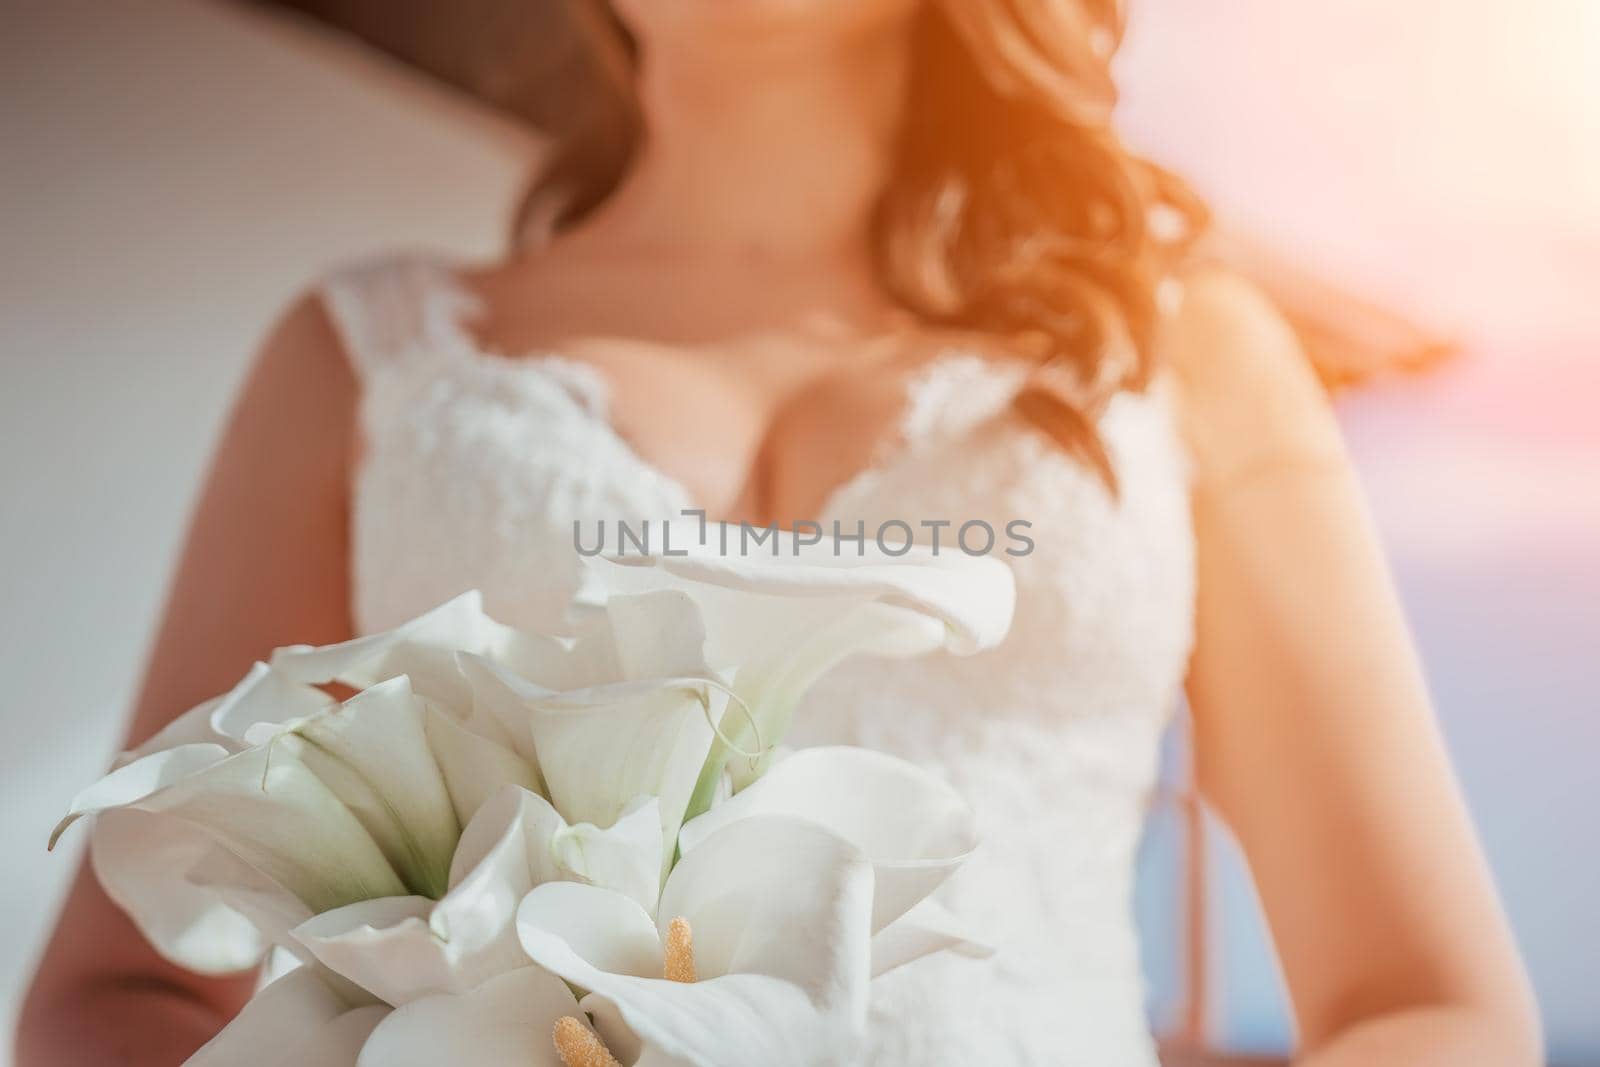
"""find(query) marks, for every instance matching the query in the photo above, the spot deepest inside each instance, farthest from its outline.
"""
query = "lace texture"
(475, 468)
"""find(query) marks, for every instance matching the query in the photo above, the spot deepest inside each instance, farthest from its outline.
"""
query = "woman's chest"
(500, 476)
(762, 429)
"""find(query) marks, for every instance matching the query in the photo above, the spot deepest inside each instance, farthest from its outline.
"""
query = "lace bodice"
(475, 467)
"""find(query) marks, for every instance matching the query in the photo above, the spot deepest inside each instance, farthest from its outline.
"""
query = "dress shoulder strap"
(397, 308)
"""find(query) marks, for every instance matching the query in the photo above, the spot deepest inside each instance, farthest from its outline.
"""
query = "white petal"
(425, 649)
(136, 781)
(622, 1042)
(298, 1019)
(911, 824)
(773, 681)
(519, 831)
(405, 948)
(499, 696)
(338, 1043)
(925, 929)
(626, 856)
(732, 1021)
(779, 896)
(265, 696)
(269, 908)
(421, 648)
(606, 929)
(474, 767)
(782, 904)
(786, 615)
(506, 1022)
(410, 947)
(503, 853)
(269, 810)
(972, 596)
(653, 635)
(384, 946)
(467, 937)
(601, 748)
(139, 858)
(372, 751)
(510, 832)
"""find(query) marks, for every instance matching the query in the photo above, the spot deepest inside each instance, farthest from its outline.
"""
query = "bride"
(871, 260)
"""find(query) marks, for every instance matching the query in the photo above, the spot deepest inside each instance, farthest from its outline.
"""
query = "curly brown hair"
(1013, 208)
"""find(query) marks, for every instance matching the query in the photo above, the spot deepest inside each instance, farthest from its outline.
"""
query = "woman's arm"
(265, 564)
(1314, 736)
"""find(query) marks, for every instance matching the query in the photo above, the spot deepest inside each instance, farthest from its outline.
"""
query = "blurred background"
(173, 171)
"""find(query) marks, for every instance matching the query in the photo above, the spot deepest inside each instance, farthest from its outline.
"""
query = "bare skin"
(726, 293)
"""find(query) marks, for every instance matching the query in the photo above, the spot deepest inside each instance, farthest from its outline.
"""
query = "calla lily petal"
(607, 929)
(266, 808)
(972, 595)
(384, 946)
(927, 928)
(474, 766)
(778, 896)
(405, 948)
(136, 855)
(136, 781)
(506, 1022)
(265, 696)
(627, 856)
(729, 1021)
(428, 639)
(911, 824)
(772, 684)
(372, 751)
(783, 617)
(298, 1020)
(659, 634)
(270, 909)
(602, 747)
(518, 831)
(779, 910)
(269, 810)
(425, 650)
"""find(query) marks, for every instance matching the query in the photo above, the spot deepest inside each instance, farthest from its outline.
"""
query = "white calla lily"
(266, 807)
(758, 951)
(328, 804)
(404, 948)
(372, 752)
(490, 797)
(913, 826)
(776, 619)
(606, 745)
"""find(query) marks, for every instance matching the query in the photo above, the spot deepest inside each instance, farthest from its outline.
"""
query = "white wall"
(172, 172)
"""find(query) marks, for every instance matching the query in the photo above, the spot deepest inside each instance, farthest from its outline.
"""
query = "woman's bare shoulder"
(301, 368)
(1247, 393)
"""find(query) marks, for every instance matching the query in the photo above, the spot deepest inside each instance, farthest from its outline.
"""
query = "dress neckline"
(591, 400)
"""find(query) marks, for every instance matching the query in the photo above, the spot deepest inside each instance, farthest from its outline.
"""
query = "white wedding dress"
(475, 467)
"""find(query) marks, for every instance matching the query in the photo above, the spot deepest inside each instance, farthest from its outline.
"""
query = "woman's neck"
(772, 150)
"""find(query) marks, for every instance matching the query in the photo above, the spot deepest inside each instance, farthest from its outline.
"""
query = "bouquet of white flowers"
(519, 849)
